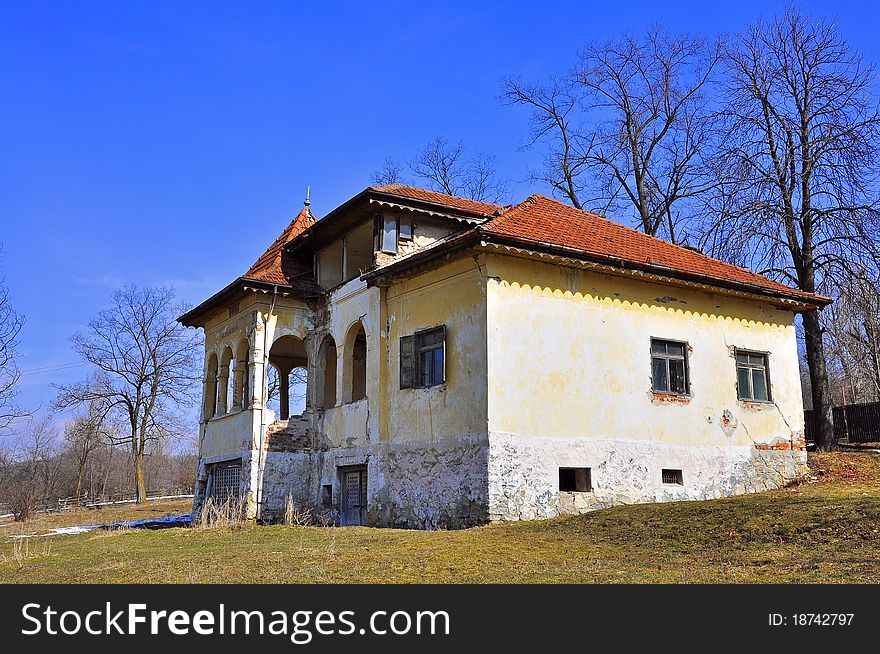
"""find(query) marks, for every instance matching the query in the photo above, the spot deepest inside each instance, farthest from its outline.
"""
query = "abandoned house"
(415, 359)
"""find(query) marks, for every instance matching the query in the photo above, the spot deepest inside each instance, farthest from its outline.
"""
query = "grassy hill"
(826, 531)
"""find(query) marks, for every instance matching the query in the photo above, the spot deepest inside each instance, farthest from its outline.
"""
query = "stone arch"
(290, 358)
(242, 395)
(327, 363)
(210, 393)
(224, 390)
(354, 372)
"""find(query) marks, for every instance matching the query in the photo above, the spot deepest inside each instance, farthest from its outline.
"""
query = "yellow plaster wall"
(349, 424)
(568, 356)
(452, 294)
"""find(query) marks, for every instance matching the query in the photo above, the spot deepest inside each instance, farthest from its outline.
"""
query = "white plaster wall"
(569, 377)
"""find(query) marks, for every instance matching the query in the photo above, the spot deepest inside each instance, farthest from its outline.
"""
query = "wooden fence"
(853, 423)
(51, 505)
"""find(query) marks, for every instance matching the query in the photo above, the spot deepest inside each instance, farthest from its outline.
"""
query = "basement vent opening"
(673, 477)
(575, 480)
(224, 481)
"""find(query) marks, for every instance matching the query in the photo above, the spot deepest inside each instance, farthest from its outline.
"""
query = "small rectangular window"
(389, 233)
(672, 477)
(423, 358)
(752, 376)
(669, 367)
(575, 480)
(430, 356)
(224, 482)
(406, 228)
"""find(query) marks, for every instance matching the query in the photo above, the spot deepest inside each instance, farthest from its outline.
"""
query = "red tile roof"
(545, 221)
(463, 204)
(268, 267)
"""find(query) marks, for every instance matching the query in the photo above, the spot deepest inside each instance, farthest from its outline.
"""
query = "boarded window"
(406, 228)
(225, 481)
(407, 362)
(423, 358)
(669, 367)
(389, 233)
(575, 480)
(752, 377)
(671, 476)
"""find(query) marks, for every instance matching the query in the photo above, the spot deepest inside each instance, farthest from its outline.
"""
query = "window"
(669, 369)
(389, 233)
(224, 482)
(423, 358)
(672, 477)
(575, 480)
(406, 228)
(752, 379)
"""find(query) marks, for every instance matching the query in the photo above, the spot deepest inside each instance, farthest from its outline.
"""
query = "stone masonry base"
(524, 473)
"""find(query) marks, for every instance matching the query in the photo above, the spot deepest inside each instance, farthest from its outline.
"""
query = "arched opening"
(289, 393)
(356, 363)
(224, 390)
(210, 394)
(242, 391)
(327, 399)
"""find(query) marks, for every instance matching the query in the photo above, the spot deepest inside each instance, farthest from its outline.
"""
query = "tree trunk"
(79, 478)
(821, 391)
(139, 477)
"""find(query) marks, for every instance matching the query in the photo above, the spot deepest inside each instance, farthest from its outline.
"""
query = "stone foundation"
(429, 486)
(468, 481)
(524, 473)
(415, 485)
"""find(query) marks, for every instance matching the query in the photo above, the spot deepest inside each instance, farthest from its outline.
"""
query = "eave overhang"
(195, 316)
(562, 255)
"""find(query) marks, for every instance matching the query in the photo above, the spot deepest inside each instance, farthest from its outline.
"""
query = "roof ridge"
(398, 188)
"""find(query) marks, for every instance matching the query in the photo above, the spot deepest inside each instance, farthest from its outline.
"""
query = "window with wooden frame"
(423, 358)
(405, 227)
(388, 232)
(669, 367)
(752, 376)
(575, 480)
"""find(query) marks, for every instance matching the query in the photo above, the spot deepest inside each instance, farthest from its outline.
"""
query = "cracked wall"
(569, 377)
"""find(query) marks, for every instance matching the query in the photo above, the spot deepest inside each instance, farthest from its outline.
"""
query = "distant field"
(828, 531)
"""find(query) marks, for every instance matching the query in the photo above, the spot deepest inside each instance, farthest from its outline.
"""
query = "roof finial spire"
(307, 202)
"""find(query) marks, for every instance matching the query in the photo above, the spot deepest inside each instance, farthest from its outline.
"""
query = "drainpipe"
(265, 385)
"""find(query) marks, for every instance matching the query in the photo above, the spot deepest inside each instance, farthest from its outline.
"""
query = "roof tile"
(544, 220)
(452, 201)
(268, 267)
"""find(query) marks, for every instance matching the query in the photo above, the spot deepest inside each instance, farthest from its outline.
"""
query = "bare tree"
(10, 326)
(83, 436)
(798, 162)
(628, 127)
(852, 332)
(443, 167)
(389, 173)
(35, 466)
(146, 369)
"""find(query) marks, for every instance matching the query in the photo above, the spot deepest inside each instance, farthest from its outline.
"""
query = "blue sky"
(169, 143)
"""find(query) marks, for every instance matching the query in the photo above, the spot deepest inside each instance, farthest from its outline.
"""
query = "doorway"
(354, 496)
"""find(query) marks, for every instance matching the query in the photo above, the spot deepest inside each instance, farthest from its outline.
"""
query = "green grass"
(827, 531)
